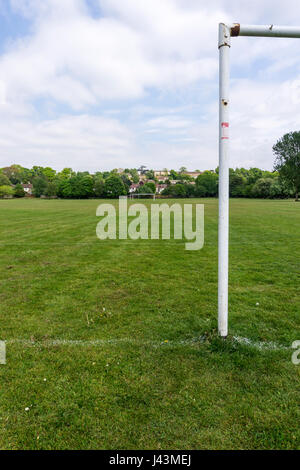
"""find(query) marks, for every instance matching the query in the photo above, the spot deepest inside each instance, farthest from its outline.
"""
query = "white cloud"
(83, 142)
(83, 64)
(81, 61)
(168, 123)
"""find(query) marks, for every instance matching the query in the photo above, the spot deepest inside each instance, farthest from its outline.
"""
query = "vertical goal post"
(226, 32)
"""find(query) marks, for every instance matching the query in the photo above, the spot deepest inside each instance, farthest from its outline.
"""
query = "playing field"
(113, 344)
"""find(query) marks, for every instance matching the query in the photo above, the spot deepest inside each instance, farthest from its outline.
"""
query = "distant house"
(133, 188)
(161, 174)
(160, 188)
(193, 174)
(162, 178)
(27, 188)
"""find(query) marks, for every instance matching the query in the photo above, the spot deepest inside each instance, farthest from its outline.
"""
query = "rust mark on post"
(235, 30)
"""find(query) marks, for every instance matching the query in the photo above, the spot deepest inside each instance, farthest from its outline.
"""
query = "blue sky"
(100, 84)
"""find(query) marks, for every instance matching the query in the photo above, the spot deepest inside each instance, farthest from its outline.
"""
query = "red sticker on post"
(225, 130)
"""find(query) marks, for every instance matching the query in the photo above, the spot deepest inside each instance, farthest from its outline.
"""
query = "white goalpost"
(226, 32)
(138, 195)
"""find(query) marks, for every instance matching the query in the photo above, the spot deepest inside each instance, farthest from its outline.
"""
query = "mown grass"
(161, 378)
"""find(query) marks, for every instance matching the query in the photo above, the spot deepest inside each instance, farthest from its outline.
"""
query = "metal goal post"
(226, 32)
(138, 195)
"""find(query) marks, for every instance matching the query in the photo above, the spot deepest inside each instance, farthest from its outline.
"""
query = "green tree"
(39, 186)
(262, 188)
(207, 184)
(190, 190)
(99, 186)
(19, 191)
(151, 186)
(114, 187)
(66, 173)
(147, 188)
(26, 175)
(4, 181)
(52, 189)
(287, 163)
(174, 175)
(13, 173)
(150, 174)
(49, 173)
(279, 190)
(176, 190)
(187, 178)
(81, 186)
(253, 175)
(126, 181)
(37, 171)
(135, 176)
(64, 188)
(6, 190)
(237, 183)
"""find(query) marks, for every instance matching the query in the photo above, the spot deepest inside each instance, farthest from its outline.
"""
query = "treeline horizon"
(68, 184)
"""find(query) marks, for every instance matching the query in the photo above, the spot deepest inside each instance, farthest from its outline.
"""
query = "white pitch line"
(104, 342)
(260, 345)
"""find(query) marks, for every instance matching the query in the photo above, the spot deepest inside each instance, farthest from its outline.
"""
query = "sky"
(102, 84)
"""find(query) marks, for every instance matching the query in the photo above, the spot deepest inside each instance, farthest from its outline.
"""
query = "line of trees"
(253, 183)
(283, 182)
(67, 184)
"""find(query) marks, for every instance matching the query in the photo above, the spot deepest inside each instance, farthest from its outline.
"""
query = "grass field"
(149, 371)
